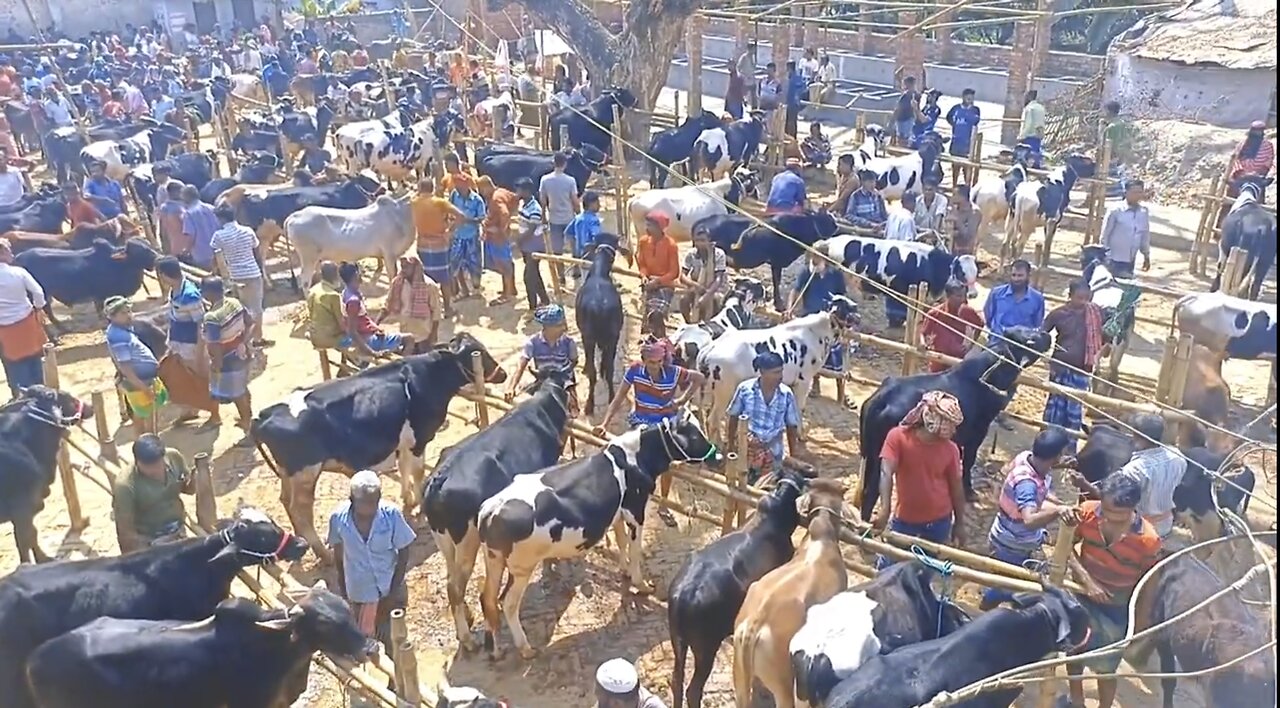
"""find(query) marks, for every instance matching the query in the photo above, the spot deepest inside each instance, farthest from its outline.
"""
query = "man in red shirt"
(950, 327)
(920, 457)
(79, 209)
(114, 109)
(363, 334)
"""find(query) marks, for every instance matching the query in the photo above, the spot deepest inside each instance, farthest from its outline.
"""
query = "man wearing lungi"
(227, 326)
(658, 260)
(363, 334)
(464, 251)
(433, 219)
(22, 336)
(772, 415)
(1077, 346)
(138, 371)
(186, 313)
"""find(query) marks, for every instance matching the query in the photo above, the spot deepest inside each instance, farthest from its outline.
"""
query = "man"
(413, 300)
(797, 89)
(137, 370)
(146, 501)
(846, 183)
(963, 118)
(242, 256)
(370, 539)
(135, 104)
(618, 686)
(13, 183)
(1024, 509)
(1157, 469)
(962, 222)
(314, 157)
(1126, 232)
(499, 254)
(824, 85)
(1255, 156)
(161, 173)
(113, 109)
(532, 239)
(866, 207)
(900, 219)
(464, 249)
(107, 193)
(704, 277)
(745, 67)
(226, 329)
(186, 314)
(816, 148)
(787, 191)
(1031, 129)
(951, 327)
(1015, 303)
(815, 285)
(769, 93)
(581, 233)
(1116, 547)
(168, 216)
(433, 220)
(56, 108)
(1119, 133)
(658, 260)
(1077, 346)
(362, 332)
(927, 118)
(772, 414)
(931, 207)
(558, 193)
(326, 323)
(906, 112)
(199, 223)
(809, 65)
(22, 336)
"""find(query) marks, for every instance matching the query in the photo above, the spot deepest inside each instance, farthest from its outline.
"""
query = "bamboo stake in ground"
(1166, 366)
(399, 636)
(77, 518)
(1208, 213)
(1181, 367)
(732, 472)
(206, 503)
(911, 330)
(620, 159)
(106, 442)
(744, 467)
(477, 383)
(1062, 549)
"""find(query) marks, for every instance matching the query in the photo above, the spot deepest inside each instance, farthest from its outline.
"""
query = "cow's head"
(1081, 165)
(843, 311)
(623, 97)
(706, 121)
(1255, 185)
(253, 538)
(685, 441)
(324, 621)
(165, 136)
(135, 253)
(750, 291)
(1023, 345)
(553, 379)
(756, 116)
(54, 407)
(1066, 617)
(784, 490)
(878, 134)
(1092, 253)
(964, 270)
(1021, 154)
(367, 185)
(745, 182)
(606, 247)
(466, 347)
(591, 156)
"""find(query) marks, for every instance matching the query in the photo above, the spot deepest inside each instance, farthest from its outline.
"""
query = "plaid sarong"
(1121, 319)
(1061, 410)
(464, 256)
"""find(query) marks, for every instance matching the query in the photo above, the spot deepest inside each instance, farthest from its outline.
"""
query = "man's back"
(324, 310)
(558, 189)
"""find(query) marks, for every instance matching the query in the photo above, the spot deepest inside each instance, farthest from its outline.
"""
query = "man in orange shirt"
(1116, 548)
(951, 326)
(452, 168)
(498, 256)
(433, 219)
(920, 457)
(79, 209)
(658, 259)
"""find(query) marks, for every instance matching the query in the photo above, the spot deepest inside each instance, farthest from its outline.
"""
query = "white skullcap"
(365, 482)
(617, 676)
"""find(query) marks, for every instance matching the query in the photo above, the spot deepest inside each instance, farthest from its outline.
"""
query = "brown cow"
(775, 606)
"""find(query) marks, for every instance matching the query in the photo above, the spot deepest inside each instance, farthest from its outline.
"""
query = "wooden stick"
(477, 383)
(399, 636)
(1180, 369)
(206, 503)
(620, 156)
(77, 518)
(987, 579)
(744, 467)
(106, 442)
(911, 330)
(730, 506)
(1166, 368)
(1062, 549)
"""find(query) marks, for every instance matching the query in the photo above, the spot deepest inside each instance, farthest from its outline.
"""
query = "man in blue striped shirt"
(532, 239)
(866, 208)
(199, 224)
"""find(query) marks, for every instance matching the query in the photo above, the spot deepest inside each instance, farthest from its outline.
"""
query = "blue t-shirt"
(106, 191)
(1004, 310)
(127, 350)
(797, 90)
(786, 192)
(472, 206)
(584, 229)
(964, 121)
(820, 288)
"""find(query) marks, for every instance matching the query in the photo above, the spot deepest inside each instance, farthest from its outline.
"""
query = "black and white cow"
(1243, 329)
(562, 511)
(1040, 203)
(803, 343)
(507, 164)
(898, 174)
(593, 123)
(288, 125)
(675, 145)
(388, 147)
(1251, 227)
(739, 305)
(65, 144)
(992, 194)
(124, 154)
(898, 265)
(687, 205)
(723, 148)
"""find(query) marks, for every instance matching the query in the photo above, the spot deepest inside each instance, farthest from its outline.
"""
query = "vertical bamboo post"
(407, 666)
(542, 140)
(1098, 204)
(860, 127)
(1166, 367)
(975, 154)
(1178, 373)
(911, 331)
(1062, 548)
(477, 383)
(564, 136)
(1200, 247)
(1037, 275)
(106, 442)
(732, 472)
(77, 518)
(621, 186)
(399, 637)
(744, 469)
(206, 503)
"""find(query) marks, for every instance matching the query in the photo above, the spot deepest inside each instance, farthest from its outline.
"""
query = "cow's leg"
(301, 507)
(631, 552)
(511, 608)
(775, 673)
(801, 388)
(28, 541)
(744, 640)
(704, 658)
(775, 272)
(609, 355)
(461, 565)
(589, 368)
(494, 566)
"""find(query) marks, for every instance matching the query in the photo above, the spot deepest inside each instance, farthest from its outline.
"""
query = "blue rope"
(944, 568)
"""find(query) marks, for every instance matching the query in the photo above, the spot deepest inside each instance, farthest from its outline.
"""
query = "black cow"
(359, 421)
(259, 168)
(749, 245)
(271, 209)
(996, 641)
(1251, 227)
(506, 164)
(722, 149)
(46, 191)
(31, 429)
(88, 274)
(598, 313)
(592, 124)
(44, 212)
(244, 655)
(178, 581)
(983, 382)
(263, 133)
(675, 145)
(707, 591)
(525, 440)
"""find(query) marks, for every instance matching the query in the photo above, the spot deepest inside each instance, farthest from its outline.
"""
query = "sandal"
(499, 302)
(667, 517)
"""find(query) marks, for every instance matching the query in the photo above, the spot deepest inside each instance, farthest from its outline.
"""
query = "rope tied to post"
(945, 568)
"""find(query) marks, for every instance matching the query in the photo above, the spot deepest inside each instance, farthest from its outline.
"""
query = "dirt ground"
(577, 615)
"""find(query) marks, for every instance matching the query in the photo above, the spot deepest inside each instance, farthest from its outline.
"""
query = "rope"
(943, 568)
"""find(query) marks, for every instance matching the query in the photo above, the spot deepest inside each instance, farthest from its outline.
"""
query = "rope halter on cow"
(263, 558)
(944, 568)
(669, 441)
(55, 417)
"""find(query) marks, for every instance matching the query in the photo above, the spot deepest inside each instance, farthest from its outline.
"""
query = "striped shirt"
(563, 354)
(1159, 470)
(1117, 565)
(199, 224)
(237, 244)
(655, 397)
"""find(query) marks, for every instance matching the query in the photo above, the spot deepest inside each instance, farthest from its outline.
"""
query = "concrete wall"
(79, 17)
(1151, 89)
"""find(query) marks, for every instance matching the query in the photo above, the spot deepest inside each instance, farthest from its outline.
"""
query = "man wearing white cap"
(618, 686)
(369, 538)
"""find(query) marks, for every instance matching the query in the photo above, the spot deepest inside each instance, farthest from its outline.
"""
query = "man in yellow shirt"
(324, 308)
(434, 218)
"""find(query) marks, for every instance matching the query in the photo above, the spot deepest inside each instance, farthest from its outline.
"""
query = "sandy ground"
(577, 615)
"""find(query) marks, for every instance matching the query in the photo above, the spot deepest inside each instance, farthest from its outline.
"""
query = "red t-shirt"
(923, 473)
(113, 110)
(353, 305)
(948, 330)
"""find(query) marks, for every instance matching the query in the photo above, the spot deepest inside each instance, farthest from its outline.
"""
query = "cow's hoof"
(643, 587)
(468, 644)
(495, 655)
(528, 653)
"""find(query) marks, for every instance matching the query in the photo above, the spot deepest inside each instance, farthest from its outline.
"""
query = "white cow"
(121, 156)
(990, 197)
(387, 148)
(803, 343)
(1037, 203)
(842, 630)
(384, 229)
(687, 205)
(1244, 329)
(248, 86)
(739, 305)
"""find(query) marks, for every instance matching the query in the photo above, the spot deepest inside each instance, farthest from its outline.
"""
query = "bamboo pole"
(1166, 367)
(621, 185)
(693, 42)
(206, 503)
(911, 330)
(1098, 205)
(732, 471)
(975, 576)
(1208, 214)
(1062, 549)
(72, 495)
(106, 442)
(744, 466)
(477, 379)
(399, 636)
(1181, 367)
(975, 156)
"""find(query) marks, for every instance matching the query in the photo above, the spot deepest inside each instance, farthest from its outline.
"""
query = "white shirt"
(827, 73)
(19, 293)
(901, 225)
(11, 187)
(59, 112)
(1160, 471)
(237, 243)
(809, 68)
(931, 216)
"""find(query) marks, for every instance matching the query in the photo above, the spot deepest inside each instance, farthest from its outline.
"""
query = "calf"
(708, 590)
(592, 124)
(983, 382)
(1240, 328)
(89, 274)
(1200, 496)
(739, 305)
(31, 429)
(562, 511)
(360, 421)
(996, 641)
(774, 607)
(122, 155)
(688, 205)
(184, 580)
(895, 609)
(1041, 203)
(675, 145)
(505, 165)
(723, 148)
(597, 309)
(900, 174)
(243, 655)
(383, 229)
(992, 194)
(898, 265)
(1250, 227)
(527, 439)
(803, 344)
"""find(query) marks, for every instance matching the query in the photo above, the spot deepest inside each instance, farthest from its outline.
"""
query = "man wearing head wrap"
(658, 260)
(1254, 156)
(414, 301)
(137, 370)
(501, 204)
(618, 686)
(370, 538)
(866, 208)
(146, 501)
(787, 191)
(550, 347)
(464, 251)
(920, 458)
(1126, 232)
(772, 414)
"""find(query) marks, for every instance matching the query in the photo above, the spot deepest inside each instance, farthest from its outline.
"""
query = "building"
(79, 17)
(1212, 61)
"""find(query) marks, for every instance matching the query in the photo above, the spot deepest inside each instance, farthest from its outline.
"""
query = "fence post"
(106, 442)
(1097, 206)
(399, 637)
(623, 189)
(911, 330)
(477, 382)
(1181, 366)
(744, 469)
(1166, 369)
(74, 514)
(206, 503)
(1062, 548)
(1207, 215)
(732, 472)
(975, 154)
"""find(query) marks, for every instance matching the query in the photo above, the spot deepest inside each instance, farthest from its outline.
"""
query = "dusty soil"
(577, 614)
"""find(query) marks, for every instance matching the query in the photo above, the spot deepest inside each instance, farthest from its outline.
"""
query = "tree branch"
(577, 23)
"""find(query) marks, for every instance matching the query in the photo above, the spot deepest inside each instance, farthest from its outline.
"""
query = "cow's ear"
(228, 551)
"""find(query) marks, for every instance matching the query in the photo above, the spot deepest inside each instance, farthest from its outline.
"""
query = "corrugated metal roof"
(1237, 34)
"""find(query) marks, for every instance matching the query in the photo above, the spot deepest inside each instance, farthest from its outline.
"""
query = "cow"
(992, 194)
(739, 305)
(592, 124)
(774, 607)
(184, 580)
(23, 127)
(89, 274)
(1207, 394)
(465, 697)
(283, 131)
(258, 168)
(123, 154)
(722, 148)
(360, 421)
(748, 245)
(675, 145)
(267, 210)
(242, 655)
(248, 86)
(507, 165)
(31, 431)
(999, 640)
(194, 168)
(598, 314)
(562, 511)
(1238, 328)
(65, 144)
(525, 440)
(395, 152)
(687, 205)
(1042, 203)
(1118, 302)
(983, 382)
(895, 609)
(46, 191)
(707, 591)
(44, 214)
(803, 343)
(384, 229)
(1250, 227)
(115, 231)
(898, 174)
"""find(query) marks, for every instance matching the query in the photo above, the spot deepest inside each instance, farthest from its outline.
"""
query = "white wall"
(1231, 98)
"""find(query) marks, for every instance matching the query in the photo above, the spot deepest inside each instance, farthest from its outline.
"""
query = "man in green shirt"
(1031, 131)
(1119, 132)
(147, 505)
(324, 307)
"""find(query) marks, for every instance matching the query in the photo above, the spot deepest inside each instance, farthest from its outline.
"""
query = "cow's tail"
(680, 648)
(1177, 307)
(255, 428)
